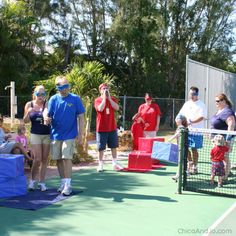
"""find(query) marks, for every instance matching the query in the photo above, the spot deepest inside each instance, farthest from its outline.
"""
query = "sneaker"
(61, 187)
(233, 167)
(175, 178)
(31, 185)
(67, 190)
(230, 174)
(42, 187)
(194, 171)
(212, 182)
(117, 166)
(220, 185)
(100, 167)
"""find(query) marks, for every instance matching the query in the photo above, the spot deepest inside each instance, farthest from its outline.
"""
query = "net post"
(182, 147)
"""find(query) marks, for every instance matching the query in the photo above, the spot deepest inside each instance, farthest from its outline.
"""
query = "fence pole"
(181, 159)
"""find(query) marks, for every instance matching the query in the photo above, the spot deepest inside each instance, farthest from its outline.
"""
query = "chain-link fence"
(128, 107)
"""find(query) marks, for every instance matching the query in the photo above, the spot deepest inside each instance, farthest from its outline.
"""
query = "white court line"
(220, 220)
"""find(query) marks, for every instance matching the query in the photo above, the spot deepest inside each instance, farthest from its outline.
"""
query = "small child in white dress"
(181, 123)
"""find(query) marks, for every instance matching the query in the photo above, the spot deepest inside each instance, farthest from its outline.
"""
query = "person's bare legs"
(67, 168)
(227, 166)
(195, 160)
(100, 161)
(220, 181)
(100, 155)
(44, 162)
(115, 164)
(212, 179)
(114, 153)
(60, 167)
(37, 152)
(22, 150)
(190, 162)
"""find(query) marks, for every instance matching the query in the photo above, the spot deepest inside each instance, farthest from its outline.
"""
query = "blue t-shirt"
(218, 120)
(64, 112)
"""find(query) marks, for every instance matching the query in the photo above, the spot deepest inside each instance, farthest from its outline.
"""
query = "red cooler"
(139, 160)
(145, 144)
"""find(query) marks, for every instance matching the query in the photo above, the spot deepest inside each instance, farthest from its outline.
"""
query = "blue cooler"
(11, 165)
(13, 182)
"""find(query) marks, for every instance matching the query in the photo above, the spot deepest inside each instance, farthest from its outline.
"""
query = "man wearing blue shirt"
(63, 110)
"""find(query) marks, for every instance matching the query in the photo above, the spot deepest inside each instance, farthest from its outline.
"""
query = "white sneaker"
(67, 190)
(61, 187)
(42, 187)
(31, 185)
(117, 166)
(100, 167)
(175, 178)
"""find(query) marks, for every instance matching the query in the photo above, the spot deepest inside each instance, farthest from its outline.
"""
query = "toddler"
(137, 129)
(22, 138)
(217, 158)
(181, 123)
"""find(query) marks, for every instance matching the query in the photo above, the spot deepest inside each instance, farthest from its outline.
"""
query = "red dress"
(137, 132)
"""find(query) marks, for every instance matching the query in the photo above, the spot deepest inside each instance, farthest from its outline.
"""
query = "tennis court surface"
(123, 203)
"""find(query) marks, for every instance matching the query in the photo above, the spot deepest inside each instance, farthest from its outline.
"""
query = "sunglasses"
(217, 101)
(193, 94)
(37, 94)
(62, 87)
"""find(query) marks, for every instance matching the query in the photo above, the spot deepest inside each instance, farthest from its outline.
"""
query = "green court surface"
(122, 204)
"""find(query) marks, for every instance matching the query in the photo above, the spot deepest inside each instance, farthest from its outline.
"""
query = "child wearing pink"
(137, 129)
(21, 137)
(217, 158)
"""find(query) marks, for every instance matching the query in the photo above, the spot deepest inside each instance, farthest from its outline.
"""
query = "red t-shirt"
(149, 113)
(105, 121)
(218, 153)
(137, 132)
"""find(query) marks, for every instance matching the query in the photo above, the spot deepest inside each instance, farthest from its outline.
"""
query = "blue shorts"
(195, 140)
(106, 138)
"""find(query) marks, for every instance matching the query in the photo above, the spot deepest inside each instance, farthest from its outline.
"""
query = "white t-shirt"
(192, 110)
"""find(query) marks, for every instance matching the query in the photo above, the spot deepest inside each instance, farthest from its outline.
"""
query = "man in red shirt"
(106, 130)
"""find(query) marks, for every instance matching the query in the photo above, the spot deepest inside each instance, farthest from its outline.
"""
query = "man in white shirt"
(195, 112)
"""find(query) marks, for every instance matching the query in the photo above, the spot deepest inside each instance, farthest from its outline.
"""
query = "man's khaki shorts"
(40, 139)
(62, 149)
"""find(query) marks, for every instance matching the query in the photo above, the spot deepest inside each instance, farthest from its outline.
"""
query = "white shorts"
(62, 149)
(39, 139)
(149, 134)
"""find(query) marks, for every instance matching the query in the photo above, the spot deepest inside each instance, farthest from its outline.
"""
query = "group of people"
(192, 114)
(58, 123)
